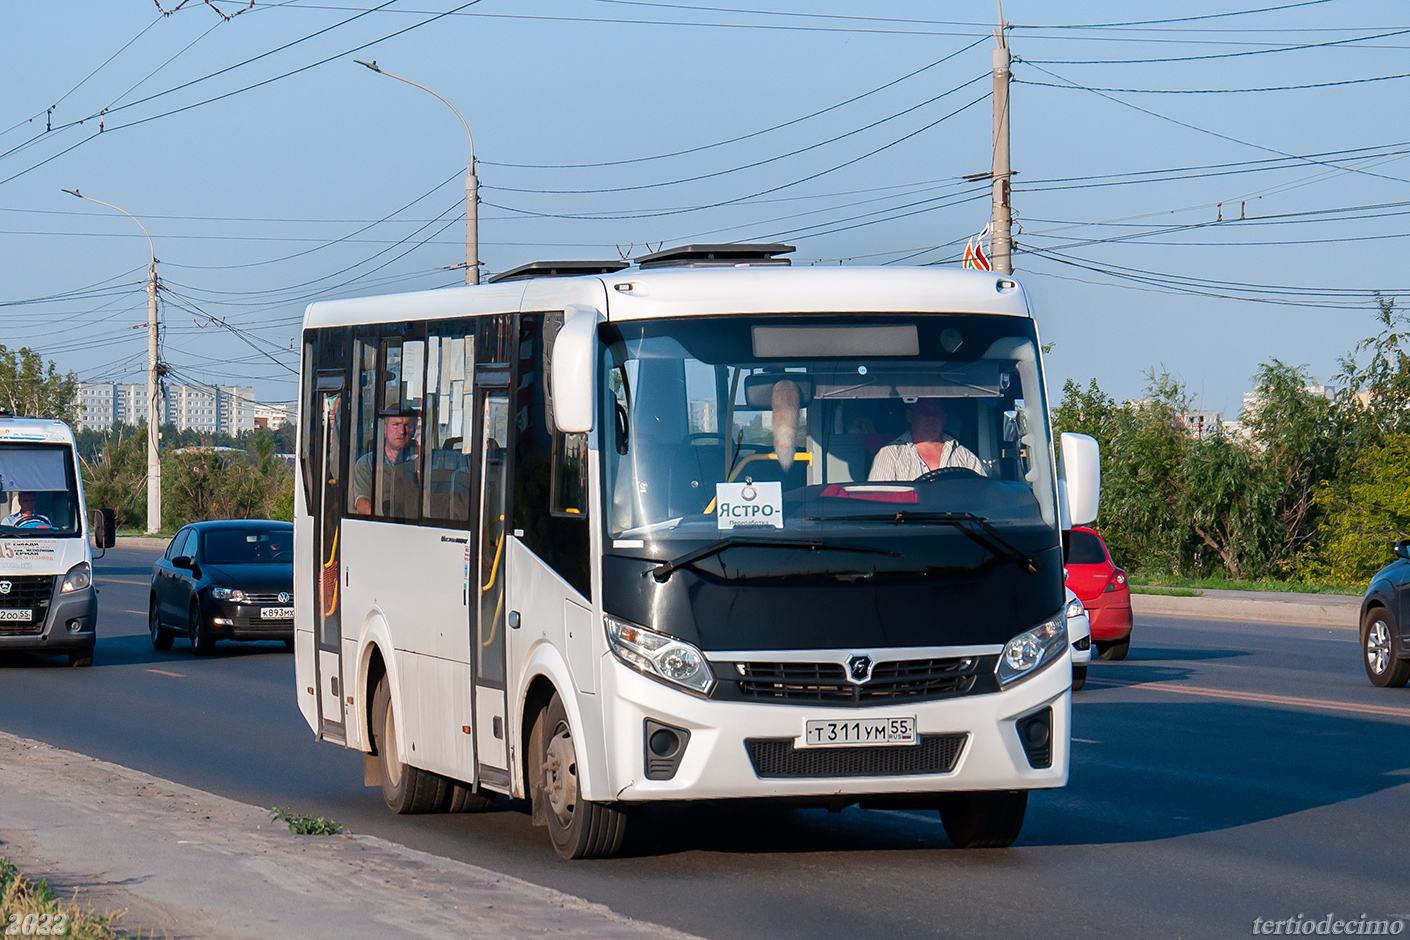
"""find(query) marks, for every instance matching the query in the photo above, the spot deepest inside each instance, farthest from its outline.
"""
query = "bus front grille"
(32, 592)
(827, 682)
(777, 757)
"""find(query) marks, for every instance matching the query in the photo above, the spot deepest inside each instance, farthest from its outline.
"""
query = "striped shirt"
(900, 460)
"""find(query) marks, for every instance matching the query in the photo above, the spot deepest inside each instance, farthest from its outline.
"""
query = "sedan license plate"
(860, 732)
(25, 614)
(276, 613)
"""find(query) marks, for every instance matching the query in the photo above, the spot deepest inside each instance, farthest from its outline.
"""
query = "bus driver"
(400, 496)
(923, 448)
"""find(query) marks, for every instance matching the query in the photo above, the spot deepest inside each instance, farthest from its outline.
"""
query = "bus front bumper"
(71, 624)
(723, 757)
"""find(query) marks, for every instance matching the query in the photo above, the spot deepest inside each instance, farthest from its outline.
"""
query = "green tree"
(30, 389)
(114, 466)
(1365, 517)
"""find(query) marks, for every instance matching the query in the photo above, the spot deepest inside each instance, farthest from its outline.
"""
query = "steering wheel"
(942, 473)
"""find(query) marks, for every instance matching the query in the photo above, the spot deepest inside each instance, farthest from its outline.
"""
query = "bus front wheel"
(983, 819)
(405, 789)
(579, 828)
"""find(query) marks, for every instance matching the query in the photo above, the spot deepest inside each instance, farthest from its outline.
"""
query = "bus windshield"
(37, 492)
(820, 425)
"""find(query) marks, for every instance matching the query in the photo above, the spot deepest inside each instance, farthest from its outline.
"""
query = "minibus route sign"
(749, 504)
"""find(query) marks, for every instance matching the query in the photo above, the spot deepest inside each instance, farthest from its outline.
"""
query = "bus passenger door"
(488, 580)
(327, 559)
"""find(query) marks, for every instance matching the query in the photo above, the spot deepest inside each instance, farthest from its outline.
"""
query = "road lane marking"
(1262, 698)
(1084, 741)
(103, 577)
(163, 672)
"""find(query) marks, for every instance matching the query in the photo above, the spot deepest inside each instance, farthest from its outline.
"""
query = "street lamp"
(154, 463)
(472, 185)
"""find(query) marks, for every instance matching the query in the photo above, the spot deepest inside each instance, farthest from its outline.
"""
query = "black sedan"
(1385, 617)
(232, 579)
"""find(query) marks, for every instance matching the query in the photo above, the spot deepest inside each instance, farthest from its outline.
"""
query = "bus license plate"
(276, 613)
(860, 732)
(25, 613)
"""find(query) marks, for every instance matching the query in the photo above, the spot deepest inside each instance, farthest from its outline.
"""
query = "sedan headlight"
(79, 577)
(1075, 608)
(659, 656)
(227, 594)
(1026, 653)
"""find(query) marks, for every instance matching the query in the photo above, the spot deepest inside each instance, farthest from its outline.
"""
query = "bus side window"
(364, 415)
(447, 426)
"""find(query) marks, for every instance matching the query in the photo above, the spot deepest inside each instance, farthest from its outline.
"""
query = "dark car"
(231, 580)
(1102, 588)
(1385, 613)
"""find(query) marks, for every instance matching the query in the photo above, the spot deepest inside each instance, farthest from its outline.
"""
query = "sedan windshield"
(248, 547)
(816, 426)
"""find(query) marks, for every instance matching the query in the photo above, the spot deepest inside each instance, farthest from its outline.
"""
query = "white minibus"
(704, 527)
(47, 601)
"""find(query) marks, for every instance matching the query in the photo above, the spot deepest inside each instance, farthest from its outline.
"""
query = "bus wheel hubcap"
(560, 772)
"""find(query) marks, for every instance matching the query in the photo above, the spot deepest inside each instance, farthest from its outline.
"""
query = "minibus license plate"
(26, 614)
(860, 732)
(277, 613)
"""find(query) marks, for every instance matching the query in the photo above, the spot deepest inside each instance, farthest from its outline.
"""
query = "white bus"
(707, 527)
(47, 601)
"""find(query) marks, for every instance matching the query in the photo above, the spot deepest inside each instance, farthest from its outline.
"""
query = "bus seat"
(695, 470)
(848, 458)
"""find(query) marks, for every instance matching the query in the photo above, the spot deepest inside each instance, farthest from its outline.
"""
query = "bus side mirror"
(1082, 474)
(571, 371)
(104, 529)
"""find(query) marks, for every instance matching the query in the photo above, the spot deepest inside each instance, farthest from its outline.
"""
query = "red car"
(1102, 587)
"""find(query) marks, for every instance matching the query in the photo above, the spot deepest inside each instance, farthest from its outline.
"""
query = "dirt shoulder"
(185, 863)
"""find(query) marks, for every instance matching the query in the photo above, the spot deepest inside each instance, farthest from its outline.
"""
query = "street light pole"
(472, 184)
(154, 462)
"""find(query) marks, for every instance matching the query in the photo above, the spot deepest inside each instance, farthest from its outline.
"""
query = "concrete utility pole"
(154, 461)
(472, 184)
(1001, 227)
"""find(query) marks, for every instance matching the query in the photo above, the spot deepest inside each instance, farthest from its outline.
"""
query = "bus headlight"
(1029, 651)
(78, 578)
(660, 656)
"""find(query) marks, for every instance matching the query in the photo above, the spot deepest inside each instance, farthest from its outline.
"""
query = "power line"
(746, 166)
(735, 140)
(740, 199)
(1224, 91)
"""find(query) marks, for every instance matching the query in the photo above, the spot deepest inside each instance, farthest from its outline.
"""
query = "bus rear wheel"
(983, 819)
(578, 828)
(405, 789)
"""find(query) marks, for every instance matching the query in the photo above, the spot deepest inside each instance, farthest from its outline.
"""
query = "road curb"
(1304, 610)
(141, 541)
(201, 865)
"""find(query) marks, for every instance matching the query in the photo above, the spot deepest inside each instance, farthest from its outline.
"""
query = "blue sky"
(605, 126)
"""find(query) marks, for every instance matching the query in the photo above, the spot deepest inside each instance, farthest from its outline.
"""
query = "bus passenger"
(401, 483)
(923, 448)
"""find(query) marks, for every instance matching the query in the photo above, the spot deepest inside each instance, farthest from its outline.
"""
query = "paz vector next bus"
(705, 527)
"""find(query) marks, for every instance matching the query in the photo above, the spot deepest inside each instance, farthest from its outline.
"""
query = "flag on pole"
(974, 256)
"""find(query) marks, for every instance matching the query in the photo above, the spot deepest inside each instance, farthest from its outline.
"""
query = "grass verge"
(1145, 580)
(1165, 591)
(302, 825)
(29, 909)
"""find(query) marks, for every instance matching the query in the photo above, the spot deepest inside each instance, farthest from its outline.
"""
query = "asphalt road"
(1223, 772)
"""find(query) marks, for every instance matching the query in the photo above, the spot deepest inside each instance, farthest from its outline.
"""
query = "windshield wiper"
(663, 571)
(977, 528)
